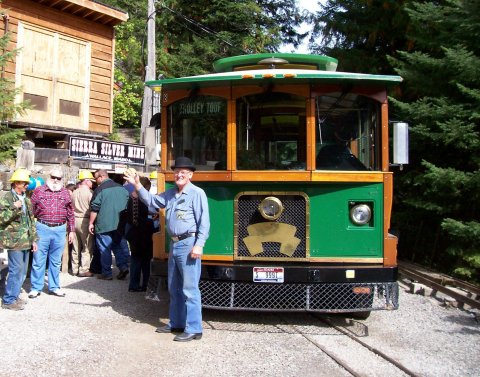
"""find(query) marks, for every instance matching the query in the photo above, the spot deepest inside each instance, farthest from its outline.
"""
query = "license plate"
(268, 274)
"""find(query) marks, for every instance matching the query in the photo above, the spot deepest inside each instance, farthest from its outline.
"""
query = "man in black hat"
(188, 225)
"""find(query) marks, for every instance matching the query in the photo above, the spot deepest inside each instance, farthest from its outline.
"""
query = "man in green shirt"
(107, 207)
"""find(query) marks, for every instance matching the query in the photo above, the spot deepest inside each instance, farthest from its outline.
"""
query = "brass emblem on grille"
(271, 232)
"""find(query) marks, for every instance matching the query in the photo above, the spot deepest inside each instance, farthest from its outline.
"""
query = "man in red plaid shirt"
(52, 206)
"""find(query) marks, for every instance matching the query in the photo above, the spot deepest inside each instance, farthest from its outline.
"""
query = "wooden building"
(64, 67)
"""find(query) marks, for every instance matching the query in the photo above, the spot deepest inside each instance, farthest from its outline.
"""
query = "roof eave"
(88, 9)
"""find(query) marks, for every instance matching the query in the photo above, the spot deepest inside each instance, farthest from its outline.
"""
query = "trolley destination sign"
(106, 151)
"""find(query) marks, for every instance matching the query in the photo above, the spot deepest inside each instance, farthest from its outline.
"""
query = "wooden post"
(150, 70)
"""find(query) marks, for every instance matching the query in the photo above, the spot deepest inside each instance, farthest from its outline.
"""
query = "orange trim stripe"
(222, 258)
(346, 176)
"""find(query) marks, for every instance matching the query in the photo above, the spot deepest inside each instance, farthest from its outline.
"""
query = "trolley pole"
(149, 71)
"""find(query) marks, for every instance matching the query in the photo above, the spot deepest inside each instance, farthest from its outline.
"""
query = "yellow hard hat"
(20, 175)
(153, 175)
(85, 174)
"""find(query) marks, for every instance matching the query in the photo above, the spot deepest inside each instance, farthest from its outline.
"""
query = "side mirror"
(400, 143)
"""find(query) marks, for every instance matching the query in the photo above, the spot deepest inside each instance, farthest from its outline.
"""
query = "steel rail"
(430, 282)
(442, 278)
(339, 361)
(367, 346)
(331, 355)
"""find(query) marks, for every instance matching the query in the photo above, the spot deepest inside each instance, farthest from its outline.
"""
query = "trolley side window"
(347, 132)
(271, 133)
(197, 129)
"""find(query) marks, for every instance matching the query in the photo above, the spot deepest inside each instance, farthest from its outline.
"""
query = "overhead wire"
(199, 26)
(188, 20)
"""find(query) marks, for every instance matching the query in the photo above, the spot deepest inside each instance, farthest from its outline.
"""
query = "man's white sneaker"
(33, 294)
(57, 292)
(23, 295)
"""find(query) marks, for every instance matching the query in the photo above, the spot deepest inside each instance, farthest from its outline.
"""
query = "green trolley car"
(294, 159)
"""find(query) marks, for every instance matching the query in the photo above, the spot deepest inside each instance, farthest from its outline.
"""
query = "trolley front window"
(347, 132)
(271, 132)
(197, 129)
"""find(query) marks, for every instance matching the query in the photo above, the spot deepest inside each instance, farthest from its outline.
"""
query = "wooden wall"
(100, 37)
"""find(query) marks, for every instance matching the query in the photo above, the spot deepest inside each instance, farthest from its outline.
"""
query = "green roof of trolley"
(278, 74)
(323, 63)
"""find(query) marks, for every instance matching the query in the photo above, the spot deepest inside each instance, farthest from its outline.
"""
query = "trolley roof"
(275, 68)
(285, 60)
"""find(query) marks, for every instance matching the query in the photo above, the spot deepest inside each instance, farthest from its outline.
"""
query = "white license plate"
(268, 274)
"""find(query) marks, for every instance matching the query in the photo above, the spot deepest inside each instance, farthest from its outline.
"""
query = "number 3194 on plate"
(268, 274)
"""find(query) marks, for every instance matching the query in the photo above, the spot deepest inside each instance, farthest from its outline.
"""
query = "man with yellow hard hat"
(18, 235)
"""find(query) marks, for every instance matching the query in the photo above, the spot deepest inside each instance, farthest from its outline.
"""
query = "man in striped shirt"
(52, 206)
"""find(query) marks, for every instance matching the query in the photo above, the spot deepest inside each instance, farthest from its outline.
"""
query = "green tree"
(360, 33)
(127, 101)
(189, 37)
(194, 34)
(129, 65)
(433, 46)
(9, 138)
(441, 187)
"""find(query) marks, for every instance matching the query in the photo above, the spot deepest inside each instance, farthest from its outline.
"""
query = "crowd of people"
(98, 221)
(94, 221)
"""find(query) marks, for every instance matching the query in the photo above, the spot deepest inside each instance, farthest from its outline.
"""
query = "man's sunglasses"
(56, 178)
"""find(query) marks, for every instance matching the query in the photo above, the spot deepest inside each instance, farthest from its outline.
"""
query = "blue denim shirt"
(185, 212)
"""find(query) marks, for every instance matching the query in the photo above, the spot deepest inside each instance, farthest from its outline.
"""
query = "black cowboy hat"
(183, 162)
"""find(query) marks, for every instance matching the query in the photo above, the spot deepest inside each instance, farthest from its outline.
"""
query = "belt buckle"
(175, 239)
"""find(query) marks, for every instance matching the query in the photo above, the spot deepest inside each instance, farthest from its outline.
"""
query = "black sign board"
(106, 151)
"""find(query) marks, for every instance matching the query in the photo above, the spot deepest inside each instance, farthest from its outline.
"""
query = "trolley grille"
(324, 297)
(295, 214)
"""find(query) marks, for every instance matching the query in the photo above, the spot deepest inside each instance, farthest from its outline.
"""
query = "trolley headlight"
(271, 208)
(360, 214)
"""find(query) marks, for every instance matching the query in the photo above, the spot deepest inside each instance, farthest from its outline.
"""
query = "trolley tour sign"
(106, 151)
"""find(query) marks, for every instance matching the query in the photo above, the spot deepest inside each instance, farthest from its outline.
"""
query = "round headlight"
(361, 214)
(271, 208)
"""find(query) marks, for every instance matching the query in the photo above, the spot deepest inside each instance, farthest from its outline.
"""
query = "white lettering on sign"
(193, 108)
(103, 150)
(135, 152)
(114, 150)
(213, 107)
(86, 146)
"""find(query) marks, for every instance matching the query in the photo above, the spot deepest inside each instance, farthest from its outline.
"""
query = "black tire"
(360, 315)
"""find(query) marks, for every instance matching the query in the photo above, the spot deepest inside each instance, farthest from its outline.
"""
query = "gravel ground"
(101, 329)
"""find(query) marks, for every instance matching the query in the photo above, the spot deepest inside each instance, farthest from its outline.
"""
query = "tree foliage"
(194, 34)
(433, 45)
(128, 91)
(360, 33)
(9, 138)
(189, 37)
(442, 104)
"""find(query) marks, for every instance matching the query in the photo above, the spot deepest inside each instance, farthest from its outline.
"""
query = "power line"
(201, 27)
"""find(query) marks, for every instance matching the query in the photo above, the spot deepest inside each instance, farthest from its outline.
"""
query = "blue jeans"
(17, 272)
(96, 263)
(108, 242)
(51, 243)
(183, 278)
(139, 267)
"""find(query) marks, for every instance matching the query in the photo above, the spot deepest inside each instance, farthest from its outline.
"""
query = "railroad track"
(470, 293)
(438, 282)
(341, 361)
